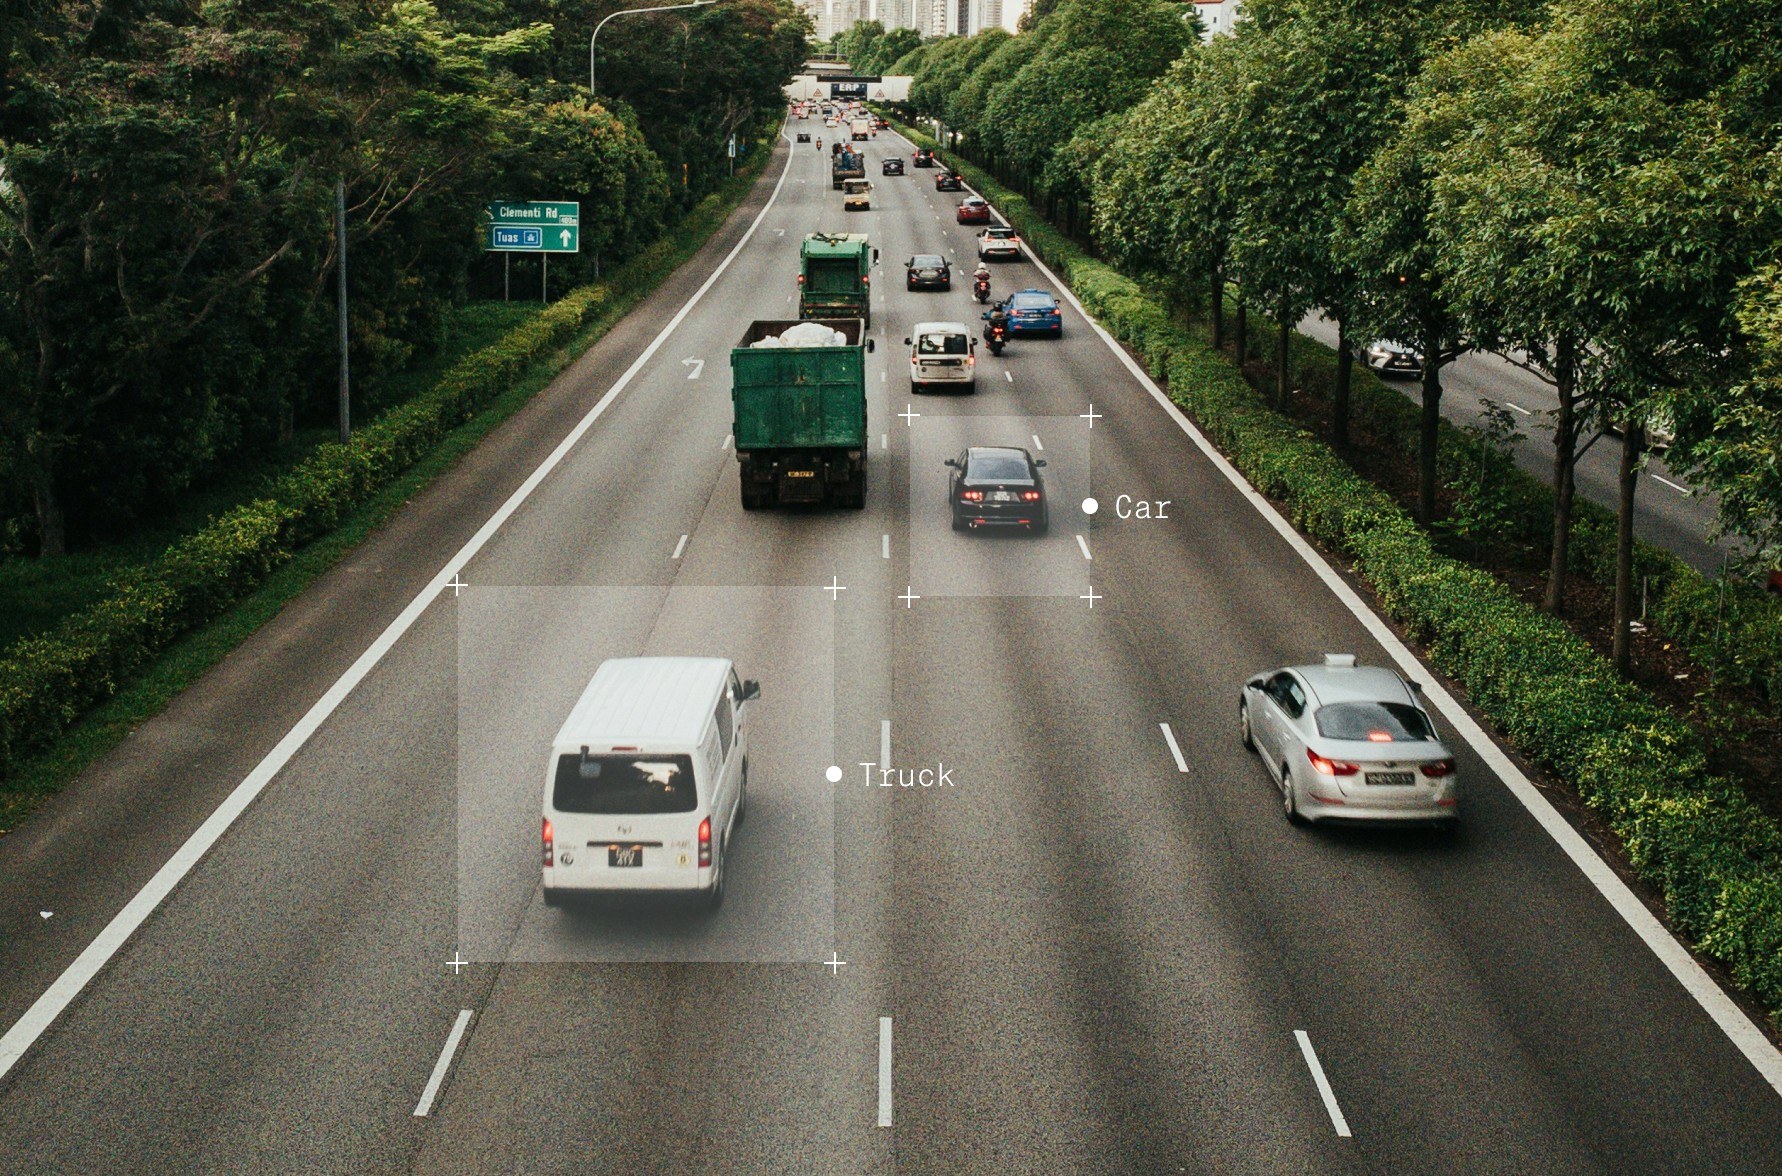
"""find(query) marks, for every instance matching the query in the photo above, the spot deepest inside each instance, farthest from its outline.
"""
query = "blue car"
(1034, 312)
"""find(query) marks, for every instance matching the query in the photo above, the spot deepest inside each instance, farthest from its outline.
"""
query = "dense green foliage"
(166, 234)
(1712, 854)
(48, 681)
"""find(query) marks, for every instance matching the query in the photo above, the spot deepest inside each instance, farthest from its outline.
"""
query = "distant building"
(1219, 16)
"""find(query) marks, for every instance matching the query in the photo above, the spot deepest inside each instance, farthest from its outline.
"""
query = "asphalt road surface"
(1096, 947)
(1668, 512)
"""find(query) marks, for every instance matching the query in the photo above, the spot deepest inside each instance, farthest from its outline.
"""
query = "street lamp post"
(629, 12)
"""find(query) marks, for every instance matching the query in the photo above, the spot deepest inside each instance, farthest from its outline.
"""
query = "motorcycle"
(980, 289)
(996, 335)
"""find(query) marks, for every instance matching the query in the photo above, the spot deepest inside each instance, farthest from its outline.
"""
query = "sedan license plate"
(1004, 496)
(624, 856)
(1391, 779)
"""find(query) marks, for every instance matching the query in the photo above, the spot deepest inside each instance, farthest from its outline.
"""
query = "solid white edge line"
(1518, 408)
(43, 1012)
(884, 1071)
(1084, 544)
(1731, 1020)
(884, 440)
(1324, 1091)
(884, 743)
(425, 1106)
(679, 547)
(1175, 750)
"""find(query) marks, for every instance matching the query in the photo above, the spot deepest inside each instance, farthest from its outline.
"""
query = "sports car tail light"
(1439, 768)
(1030, 496)
(705, 843)
(1330, 767)
(972, 495)
(550, 843)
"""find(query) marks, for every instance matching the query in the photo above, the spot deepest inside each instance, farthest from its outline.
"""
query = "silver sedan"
(1348, 743)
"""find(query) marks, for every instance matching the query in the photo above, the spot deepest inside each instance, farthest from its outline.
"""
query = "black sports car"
(998, 486)
(894, 167)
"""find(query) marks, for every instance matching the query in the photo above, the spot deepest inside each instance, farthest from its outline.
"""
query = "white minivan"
(647, 779)
(943, 354)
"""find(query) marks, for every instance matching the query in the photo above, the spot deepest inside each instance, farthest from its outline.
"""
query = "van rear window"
(624, 784)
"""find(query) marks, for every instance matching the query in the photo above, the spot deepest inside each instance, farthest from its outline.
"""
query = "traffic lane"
(282, 1010)
(1096, 1000)
(659, 1067)
(1669, 514)
(194, 753)
(1419, 956)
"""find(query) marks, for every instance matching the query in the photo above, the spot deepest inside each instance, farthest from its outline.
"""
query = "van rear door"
(624, 820)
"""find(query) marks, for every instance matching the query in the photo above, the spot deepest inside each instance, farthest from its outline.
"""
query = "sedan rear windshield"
(1033, 302)
(998, 468)
(624, 784)
(928, 261)
(1373, 722)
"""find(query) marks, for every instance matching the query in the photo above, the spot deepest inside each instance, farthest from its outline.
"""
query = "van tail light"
(1330, 767)
(550, 843)
(1439, 768)
(971, 361)
(705, 844)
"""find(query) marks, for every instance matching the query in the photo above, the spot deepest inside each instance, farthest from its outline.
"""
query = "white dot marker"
(833, 774)
(1090, 506)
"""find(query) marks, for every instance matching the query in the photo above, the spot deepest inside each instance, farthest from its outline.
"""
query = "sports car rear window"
(624, 784)
(1373, 722)
(997, 468)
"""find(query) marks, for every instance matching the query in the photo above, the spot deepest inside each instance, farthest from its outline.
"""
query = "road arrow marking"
(698, 366)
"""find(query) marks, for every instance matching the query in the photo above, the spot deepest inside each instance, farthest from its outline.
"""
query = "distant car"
(999, 242)
(949, 181)
(929, 271)
(923, 157)
(881, 124)
(974, 210)
(804, 136)
(893, 167)
(1348, 743)
(998, 486)
(1034, 312)
(1391, 358)
(942, 353)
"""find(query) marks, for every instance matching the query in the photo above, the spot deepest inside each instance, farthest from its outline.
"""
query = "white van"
(647, 779)
(943, 353)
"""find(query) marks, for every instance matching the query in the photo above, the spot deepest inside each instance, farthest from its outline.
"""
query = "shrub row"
(49, 680)
(1715, 857)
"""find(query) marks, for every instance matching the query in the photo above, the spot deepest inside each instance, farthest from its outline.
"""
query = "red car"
(974, 210)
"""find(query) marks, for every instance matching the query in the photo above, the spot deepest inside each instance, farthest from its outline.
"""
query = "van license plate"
(624, 855)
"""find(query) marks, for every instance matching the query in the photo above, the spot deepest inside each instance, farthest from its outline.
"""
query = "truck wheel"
(750, 500)
(857, 491)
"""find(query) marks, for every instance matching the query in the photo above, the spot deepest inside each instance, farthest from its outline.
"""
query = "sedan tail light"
(1030, 496)
(1439, 768)
(550, 843)
(705, 843)
(1330, 767)
(972, 495)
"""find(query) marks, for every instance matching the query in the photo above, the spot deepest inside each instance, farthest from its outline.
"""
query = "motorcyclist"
(819, 142)
(997, 318)
(980, 278)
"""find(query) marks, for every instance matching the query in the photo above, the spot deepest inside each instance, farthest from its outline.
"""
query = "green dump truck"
(834, 276)
(800, 412)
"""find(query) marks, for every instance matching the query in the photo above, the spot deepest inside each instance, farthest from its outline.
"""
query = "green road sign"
(533, 226)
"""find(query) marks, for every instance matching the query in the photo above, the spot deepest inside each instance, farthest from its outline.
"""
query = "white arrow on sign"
(698, 366)
(566, 238)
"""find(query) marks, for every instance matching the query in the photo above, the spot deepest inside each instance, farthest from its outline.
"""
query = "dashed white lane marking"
(1324, 1091)
(1009, 376)
(885, 546)
(1517, 407)
(1673, 485)
(884, 1071)
(728, 438)
(884, 440)
(679, 547)
(77, 975)
(455, 1039)
(1036, 442)
(1175, 749)
(884, 743)
(1084, 544)
(881, 377)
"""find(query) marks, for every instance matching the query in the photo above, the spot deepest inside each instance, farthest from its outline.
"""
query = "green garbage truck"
(798, 388)
(835, 276)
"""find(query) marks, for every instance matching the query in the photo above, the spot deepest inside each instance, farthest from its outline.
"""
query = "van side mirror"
(951, 462)
(1416, 687)
(1039, 462)
(906, 340)
(751, 688)
(869, 344)
(875, 257)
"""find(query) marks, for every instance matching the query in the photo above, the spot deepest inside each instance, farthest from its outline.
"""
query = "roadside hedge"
(49, 680)
(1713, 855)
